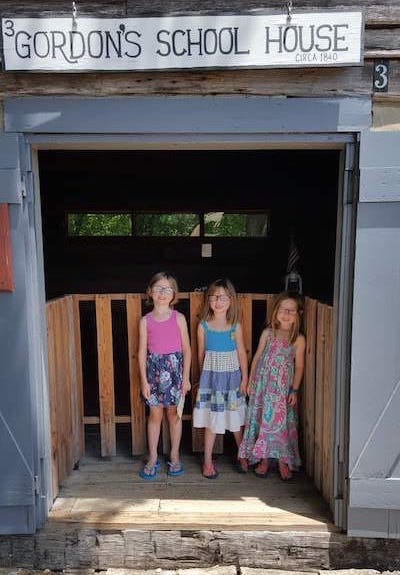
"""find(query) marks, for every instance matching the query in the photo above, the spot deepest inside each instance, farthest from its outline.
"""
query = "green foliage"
(225, 225)
(99, 225)
(235, 225)
(166, 224)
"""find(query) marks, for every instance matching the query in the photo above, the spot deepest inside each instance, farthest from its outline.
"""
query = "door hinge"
(340, 476)
(36, 485)
(351, 174)
(27, 186)
(350, 158)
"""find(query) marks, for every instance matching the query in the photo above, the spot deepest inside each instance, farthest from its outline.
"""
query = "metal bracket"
(289, 9)
(74, 15)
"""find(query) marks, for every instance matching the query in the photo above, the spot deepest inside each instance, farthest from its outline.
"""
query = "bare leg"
(238, 437)
(244, 465)
(284, 471)
(153, 432)
(209, 440)
(175, 432)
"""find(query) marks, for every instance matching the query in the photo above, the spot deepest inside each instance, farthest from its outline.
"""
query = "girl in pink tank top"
(164, 363)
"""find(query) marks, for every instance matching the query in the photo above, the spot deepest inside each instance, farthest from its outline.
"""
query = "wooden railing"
(67, 385)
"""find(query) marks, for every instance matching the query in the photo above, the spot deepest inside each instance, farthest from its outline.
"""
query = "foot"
(149, 472)
(153, 462)
(209, 471)
(242, 465)
(284, 471)
(175, 469)
(262, 468)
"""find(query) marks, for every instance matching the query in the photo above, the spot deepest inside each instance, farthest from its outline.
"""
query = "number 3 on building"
(381, 76)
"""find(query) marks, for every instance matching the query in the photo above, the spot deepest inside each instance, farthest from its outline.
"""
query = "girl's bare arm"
(200, 346)
(186, 351)
(142, 357)
(300, 346)
(260, 348)
(242, 354)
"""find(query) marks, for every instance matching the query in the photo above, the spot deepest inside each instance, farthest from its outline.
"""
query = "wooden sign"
(6, 276)
(183, 42)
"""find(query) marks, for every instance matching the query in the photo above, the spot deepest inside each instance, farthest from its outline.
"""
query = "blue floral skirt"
(164, 374)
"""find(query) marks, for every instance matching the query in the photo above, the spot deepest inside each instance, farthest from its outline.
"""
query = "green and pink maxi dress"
(271, 424)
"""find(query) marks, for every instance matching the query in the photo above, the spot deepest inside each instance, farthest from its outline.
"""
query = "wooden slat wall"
(65, 388)
(80, 428)
(318, 396)
(138, 420)
(65, 376)
(106, 375)
(310, 317)
(61, 389)
(196, 305)
(246, 306)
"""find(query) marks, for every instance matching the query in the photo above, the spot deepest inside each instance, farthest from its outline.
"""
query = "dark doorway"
(294, 191)
(296, 188)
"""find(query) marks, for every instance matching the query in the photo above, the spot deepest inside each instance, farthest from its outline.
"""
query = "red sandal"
(209, 471)
(284, 471)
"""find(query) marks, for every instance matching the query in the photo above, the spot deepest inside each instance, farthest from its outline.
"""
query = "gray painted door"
(348, 196)
(374, 454)
(21, 502)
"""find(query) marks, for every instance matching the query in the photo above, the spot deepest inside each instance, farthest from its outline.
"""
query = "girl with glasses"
(164, 364)
(275, 377)
(220, 403)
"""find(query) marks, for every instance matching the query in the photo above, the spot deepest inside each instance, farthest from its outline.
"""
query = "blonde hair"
(172, 282)
(232, 314)
(296, 327)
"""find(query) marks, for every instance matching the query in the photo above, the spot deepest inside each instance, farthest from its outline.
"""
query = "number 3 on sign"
(381, 76)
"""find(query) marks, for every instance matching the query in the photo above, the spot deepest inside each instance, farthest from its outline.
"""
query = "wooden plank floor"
(110, 494)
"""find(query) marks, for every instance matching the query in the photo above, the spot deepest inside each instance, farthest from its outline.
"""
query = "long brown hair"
(172, 282)
(297, 325)
(232, 315)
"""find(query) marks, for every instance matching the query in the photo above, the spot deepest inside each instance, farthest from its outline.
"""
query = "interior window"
(222, 224)
(169, 225)
(211, 224)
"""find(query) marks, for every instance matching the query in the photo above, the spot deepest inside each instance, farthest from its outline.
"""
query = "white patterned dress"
(219, 404)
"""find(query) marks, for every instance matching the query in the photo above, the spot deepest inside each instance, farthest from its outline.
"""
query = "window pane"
(99, 225)
(235, 225)
(167, 225)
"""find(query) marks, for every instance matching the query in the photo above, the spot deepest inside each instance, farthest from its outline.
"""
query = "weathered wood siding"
(382, 40)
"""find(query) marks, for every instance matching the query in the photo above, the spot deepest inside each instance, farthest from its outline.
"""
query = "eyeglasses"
(221, 298)
(286, 310)
(163, 289)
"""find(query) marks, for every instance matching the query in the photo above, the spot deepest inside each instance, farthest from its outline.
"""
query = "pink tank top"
(163, 336)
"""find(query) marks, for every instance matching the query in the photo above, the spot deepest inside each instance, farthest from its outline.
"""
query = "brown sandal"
(262, 469)
(241, 465)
